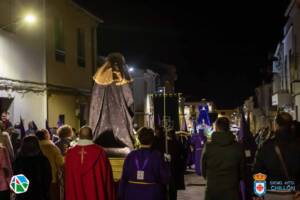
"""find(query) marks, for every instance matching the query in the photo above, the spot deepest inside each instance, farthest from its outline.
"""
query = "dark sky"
(220, 48)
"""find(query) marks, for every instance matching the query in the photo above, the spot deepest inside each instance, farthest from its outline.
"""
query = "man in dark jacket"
(222, 164)
(268, 160)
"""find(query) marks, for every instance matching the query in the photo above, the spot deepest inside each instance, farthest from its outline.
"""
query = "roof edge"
(289, 8)
(86, 11)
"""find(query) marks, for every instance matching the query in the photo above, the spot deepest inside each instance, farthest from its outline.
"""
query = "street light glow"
(131, 69)
(30, 19)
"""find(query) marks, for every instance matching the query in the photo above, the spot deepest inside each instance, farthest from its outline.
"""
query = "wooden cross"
(82, 153)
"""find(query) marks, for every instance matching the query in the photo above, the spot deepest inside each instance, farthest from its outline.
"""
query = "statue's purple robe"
(111, 102)
(198, 140)
(110, 111)
(156, 176)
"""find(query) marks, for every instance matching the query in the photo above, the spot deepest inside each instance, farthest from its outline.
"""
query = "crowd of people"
(228, 167)
(63, 164)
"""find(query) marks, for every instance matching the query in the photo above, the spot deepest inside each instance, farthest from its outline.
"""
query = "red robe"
(88, 174)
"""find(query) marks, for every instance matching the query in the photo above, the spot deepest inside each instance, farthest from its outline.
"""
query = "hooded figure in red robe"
(88, 174)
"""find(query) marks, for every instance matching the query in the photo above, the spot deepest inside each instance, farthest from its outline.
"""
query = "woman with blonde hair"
(55, 158)
(65, 134)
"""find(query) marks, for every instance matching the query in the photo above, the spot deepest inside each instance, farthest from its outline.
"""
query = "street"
(195, 188)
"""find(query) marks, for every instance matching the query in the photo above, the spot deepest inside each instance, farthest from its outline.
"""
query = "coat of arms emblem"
(260, 184)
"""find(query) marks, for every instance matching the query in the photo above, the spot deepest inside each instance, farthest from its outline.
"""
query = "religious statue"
(203, 119)
(111, 111)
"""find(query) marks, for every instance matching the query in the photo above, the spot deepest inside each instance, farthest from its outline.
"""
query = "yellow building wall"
(62, 104)
(69, 73)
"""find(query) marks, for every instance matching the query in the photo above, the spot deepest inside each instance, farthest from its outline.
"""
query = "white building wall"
(138, 90)
(22, 59)
(21, 55)
(30, 106)
(144, 84)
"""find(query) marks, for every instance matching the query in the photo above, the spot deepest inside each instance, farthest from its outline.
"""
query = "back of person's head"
(30, 146)
(116, 58)
(284, 121)
(145, 136)
(42, 134)
(86, 133)
(223, 124)
(65, 131)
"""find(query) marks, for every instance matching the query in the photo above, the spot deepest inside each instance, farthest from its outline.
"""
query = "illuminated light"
(30, 19)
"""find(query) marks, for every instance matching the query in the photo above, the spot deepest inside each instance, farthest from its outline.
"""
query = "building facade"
(144, 84)
(259, 110)
(286, 65)
(46, 68)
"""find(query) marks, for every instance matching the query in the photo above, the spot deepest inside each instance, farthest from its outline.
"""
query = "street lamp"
(28, 19)
(131, 69)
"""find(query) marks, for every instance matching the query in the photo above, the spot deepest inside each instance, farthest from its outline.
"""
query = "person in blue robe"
(203, 117)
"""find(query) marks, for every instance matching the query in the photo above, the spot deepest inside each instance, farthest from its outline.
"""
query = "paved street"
(195, 187)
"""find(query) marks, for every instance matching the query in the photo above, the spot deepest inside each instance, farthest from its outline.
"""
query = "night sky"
(220, 48)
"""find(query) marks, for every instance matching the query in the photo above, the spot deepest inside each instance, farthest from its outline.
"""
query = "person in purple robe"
(145, 173)
(198, 140)
(191, 156)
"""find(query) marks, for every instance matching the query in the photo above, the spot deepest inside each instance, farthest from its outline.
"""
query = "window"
(59, 40)
(80, 48)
